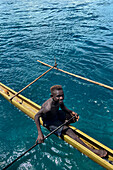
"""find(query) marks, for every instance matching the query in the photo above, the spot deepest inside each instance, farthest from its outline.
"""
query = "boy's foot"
(102, 153)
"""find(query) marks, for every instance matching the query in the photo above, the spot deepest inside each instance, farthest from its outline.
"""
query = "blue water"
(79, 33)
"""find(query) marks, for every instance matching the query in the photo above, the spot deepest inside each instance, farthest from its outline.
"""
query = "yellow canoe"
(30, 108)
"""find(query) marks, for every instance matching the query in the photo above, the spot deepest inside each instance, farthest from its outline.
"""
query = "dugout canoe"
(30, 108)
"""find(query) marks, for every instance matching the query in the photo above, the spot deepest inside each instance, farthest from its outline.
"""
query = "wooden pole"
(38, 143)
(80, 77)
(32, 82)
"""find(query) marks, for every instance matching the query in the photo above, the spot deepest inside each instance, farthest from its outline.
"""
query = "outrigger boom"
(77, 76)
(30, 108)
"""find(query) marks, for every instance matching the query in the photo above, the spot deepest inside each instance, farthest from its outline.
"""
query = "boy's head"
(54, 88)
(57, 93)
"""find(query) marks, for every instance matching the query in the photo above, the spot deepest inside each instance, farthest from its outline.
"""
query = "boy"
(53, 117)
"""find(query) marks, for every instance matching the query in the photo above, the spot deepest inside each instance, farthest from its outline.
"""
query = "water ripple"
(79, 34)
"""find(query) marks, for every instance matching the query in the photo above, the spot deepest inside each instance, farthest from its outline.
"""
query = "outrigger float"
(30, 108)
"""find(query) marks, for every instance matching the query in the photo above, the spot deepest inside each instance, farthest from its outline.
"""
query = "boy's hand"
(76, 115)
(40, 138)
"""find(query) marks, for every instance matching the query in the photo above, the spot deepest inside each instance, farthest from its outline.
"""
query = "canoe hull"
(30, 108)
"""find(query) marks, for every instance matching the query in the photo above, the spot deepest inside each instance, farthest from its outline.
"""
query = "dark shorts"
(53, 124)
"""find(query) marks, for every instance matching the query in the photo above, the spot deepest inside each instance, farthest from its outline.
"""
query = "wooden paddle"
(38, 143)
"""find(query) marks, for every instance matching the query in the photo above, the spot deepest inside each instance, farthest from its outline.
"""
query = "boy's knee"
(66, 130)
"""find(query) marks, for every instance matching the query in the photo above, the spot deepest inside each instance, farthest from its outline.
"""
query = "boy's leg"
(68, 131)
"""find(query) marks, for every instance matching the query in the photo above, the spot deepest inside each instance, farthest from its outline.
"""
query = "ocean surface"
(79, 34)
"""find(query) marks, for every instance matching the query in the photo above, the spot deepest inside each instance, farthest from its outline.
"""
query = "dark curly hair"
(55, 87)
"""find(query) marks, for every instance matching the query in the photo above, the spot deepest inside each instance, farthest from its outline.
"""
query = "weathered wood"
(31, 83)
(80, 77)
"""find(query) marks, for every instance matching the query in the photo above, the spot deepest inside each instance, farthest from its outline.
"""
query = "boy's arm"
(65, 109)
(70, 112)
(40, 138)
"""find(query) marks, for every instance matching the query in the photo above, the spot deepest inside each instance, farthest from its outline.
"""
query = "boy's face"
(58, 96)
